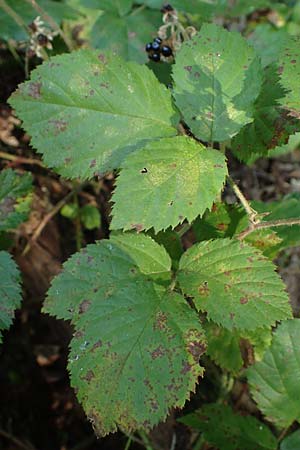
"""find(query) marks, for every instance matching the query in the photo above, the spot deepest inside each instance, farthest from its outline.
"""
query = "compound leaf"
(15, 198)
(87, 110)
(273, 381)
(272, 125)
(170, 180)
(10, 290)
(225, 430)
(135, 351)
(234, 283)
(289, 62)
(213, 89)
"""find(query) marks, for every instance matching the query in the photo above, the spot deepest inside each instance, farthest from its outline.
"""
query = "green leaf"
(289, 62)
(15, 198)
(70, 211)
(87, 110)
(222, 221)
(225, 430)
(10, 290)
(135, 351)
(9, 29)
(273, 381)
(268, 42)
(291, 442)
(272, 125)
(156, 177)
(172, 243)
(234, 283)
(215, 90)
(90, 217)
(126, 35)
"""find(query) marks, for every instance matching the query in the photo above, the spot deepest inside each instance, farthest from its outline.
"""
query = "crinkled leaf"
(135, 351)
(268, 42)
(222, 221)
(10, 290)
(15, 198)
(9, 29)
(272, 125)
(225, 430)
(213, 89)
(274, 380)
(291, 442)
(289, 62)
(126, 35)
(234, 283)
(170, 180)
(87, 110)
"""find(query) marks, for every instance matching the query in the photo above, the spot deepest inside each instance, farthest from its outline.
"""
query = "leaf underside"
(274, 380)
(234, 283)
(170, 180)
(135, 351)
(86, 111)
(213, 89)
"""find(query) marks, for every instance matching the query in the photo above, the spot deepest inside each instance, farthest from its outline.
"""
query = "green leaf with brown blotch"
(136, 348)
(289, 70)
(87, 110)
(234, 283)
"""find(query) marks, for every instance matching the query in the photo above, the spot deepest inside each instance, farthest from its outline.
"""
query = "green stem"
(252, 214)
(269, 224)
(128, 443)
(145, 440)
(184, 229)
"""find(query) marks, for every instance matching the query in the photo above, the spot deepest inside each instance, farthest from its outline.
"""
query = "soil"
(39, 410)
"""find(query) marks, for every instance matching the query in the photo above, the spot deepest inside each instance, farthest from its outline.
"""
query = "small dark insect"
(42, 40)
(166, 50)
(167, 8)
(155, 57)
(144, 170)
(148, 47)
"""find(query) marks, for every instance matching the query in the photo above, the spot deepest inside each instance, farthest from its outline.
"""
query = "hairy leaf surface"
(215, 90)
(224, 429)
(87, 110)
(15, 198)
(274, 380)
(135, 352)
(170, 180)
(234, 283)
(10, 290)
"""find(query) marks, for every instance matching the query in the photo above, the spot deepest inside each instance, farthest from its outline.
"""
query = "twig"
(50, 215)
(21, 159)
(51, 22)
(269, 224)
(184, 229)
(16, 441)
(252, 214)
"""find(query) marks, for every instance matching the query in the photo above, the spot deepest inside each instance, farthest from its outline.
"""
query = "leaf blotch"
(84, 306)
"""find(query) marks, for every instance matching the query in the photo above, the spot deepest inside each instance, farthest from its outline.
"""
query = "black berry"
(155, 46)
(167, 8)
(42, 39)
(158, 39)
(166, 50)
(155, 57)
(148, 47)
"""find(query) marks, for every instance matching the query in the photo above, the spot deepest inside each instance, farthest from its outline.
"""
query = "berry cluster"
(157, 48)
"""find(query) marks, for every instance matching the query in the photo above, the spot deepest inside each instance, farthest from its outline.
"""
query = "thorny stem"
(51, 22)
(269, 224)
(252, 214)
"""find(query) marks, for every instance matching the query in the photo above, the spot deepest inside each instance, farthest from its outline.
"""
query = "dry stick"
(50, 215)
(20, 159)
(16, 441)
(51, 22)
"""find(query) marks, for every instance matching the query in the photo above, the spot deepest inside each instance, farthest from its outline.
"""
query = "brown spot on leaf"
(159, 351)
(102, 58)
(188, 68)
(293, 61)
(243, 300)
(35, 89)
(84, 306)
(93, 163)
(137, 226)
(59, 125)
(160, 321)
(218, 166)
(203, 289)
(89, 376)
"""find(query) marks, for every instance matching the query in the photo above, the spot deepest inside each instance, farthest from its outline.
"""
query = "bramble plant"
(145, 311)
